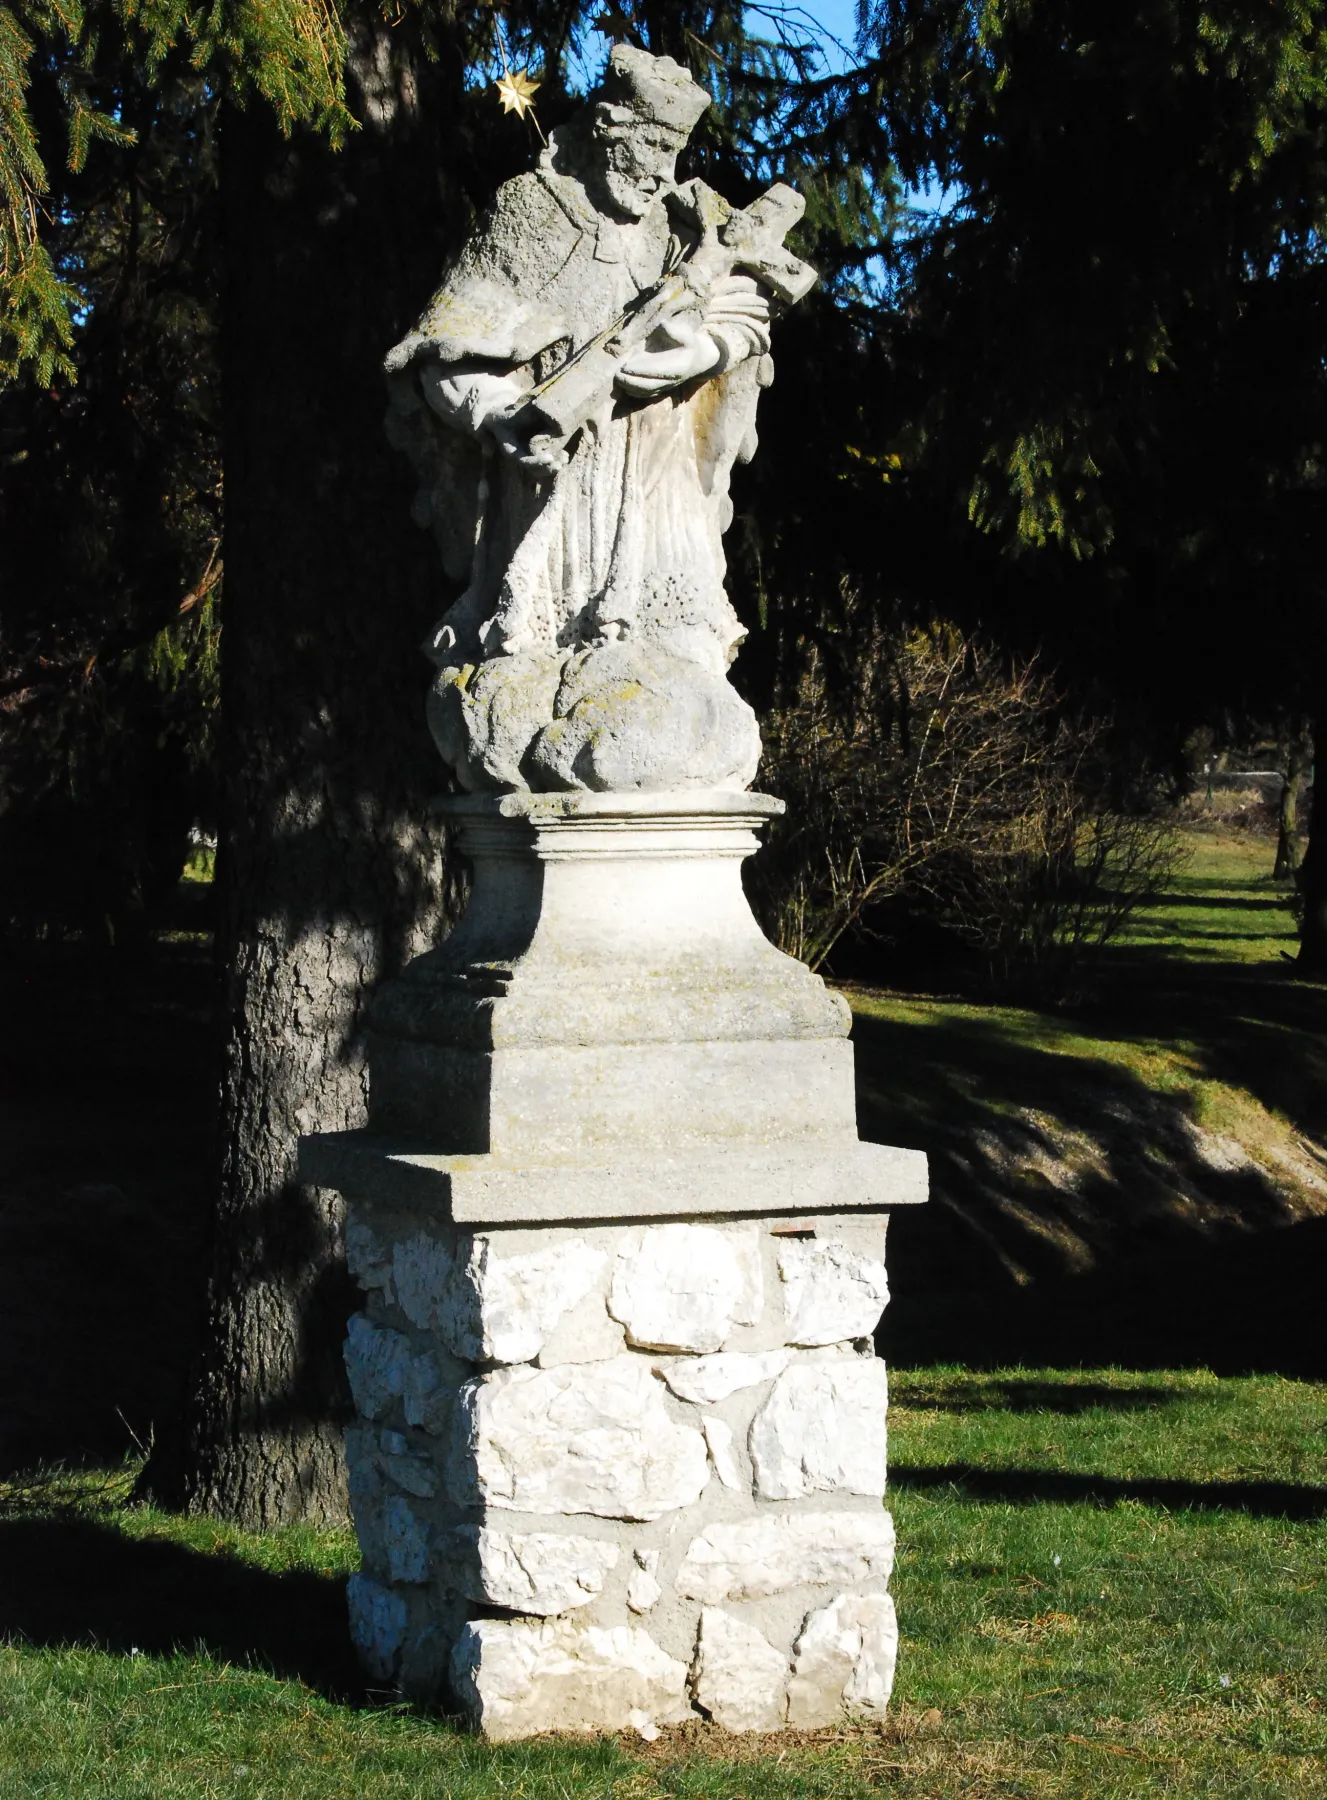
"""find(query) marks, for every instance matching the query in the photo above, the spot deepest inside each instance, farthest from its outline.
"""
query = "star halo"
(516, 91)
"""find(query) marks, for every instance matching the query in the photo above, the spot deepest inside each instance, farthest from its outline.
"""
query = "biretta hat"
(656, 87)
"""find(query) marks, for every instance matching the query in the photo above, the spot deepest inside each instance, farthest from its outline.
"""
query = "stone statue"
(618, 1455)
(573, 401)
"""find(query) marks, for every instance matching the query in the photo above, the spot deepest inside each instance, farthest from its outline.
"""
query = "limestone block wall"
(613, 1476)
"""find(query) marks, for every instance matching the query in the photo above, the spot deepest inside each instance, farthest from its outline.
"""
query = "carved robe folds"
(590, 646)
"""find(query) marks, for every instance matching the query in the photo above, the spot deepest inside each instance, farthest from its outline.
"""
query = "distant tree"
(110, 519)
(1098, 426)
(1312, 872)
(1295, 753)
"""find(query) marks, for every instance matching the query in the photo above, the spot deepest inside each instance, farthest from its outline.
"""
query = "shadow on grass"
(1223, 902)
(1262, 1499)
(1012, 1394)
(74, 1581)
(1249, 1306)
(107, 1092)
(1077, 1215)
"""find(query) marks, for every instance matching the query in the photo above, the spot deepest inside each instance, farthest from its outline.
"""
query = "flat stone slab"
(834, 1175)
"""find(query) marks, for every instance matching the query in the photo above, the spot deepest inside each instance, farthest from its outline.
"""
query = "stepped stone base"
(619, 1454)
(782, 1176)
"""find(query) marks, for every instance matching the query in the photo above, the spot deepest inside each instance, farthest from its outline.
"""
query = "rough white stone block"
(427, 1398)
(529, 1571)
(519, 1299)
(366, 1496)
(425, 1657)
(581, 1438)
(643, 1591)
(686, 1286)
(723, 1454)
(422, 1270)
(584, 1334)
(376, 1360)
(489, 1304)
(822, 1430)
(377, 1624)
(413, 1475)
(741, 1680)
(749, 1559)
(367, 1257)
(706, 1380)
(405, 1541)
(517, 1680)
(416, 1474)
(830, 1292)
(844, 1661)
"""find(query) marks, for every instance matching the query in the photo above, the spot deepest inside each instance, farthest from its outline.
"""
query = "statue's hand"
(737, 317)
(649, 372)
(542, 455)
(733, 325)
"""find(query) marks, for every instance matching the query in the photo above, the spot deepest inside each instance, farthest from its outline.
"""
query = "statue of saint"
(573, 401)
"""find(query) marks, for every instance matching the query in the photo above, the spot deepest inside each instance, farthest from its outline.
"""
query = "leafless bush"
(952, 776)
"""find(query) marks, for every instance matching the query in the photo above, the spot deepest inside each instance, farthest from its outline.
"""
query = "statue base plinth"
(607, 987)
(619, 1455)
(750, 1179)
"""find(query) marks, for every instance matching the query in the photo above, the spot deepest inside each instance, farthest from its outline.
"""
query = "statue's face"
(633, 162)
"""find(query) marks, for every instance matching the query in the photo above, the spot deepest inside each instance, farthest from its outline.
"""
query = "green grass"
(1131, 1561)
(1109, 1584)
(1222, 904)
(1170, 1135)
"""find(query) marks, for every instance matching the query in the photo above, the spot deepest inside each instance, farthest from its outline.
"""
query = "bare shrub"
(951, 775)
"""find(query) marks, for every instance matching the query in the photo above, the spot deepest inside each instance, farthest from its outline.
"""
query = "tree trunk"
(330, 875)
(1289, 848)
(1312, 875)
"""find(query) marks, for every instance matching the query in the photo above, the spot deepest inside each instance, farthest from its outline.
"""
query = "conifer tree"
(1108, 386)
(110, 518)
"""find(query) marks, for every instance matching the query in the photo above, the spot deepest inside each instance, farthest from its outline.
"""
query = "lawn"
(1109, 1584)
(1111, 1573)
(1138, 1179)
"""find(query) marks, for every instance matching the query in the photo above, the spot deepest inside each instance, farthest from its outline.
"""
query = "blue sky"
(839, 17)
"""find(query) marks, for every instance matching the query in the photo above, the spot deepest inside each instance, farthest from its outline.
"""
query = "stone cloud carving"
(573, 401)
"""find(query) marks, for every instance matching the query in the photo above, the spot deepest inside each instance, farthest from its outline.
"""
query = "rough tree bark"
(330, 876)
(1289, 848)
(1312, 873)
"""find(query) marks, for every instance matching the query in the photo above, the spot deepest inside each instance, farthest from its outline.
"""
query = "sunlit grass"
(1198, 1018)
(1066, 1632)
(1222, 904)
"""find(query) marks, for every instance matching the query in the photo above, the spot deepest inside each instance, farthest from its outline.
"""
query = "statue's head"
(643, 114)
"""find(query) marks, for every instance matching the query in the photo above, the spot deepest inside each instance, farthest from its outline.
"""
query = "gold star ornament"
(516, 92)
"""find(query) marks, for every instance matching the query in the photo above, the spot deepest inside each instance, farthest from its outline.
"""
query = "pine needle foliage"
(288, 52)
(1123, 169)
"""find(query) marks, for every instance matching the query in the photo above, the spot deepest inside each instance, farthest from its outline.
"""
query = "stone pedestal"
(620, 1447)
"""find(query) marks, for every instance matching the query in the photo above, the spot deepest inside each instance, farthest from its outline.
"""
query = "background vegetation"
(1062, 388)
(1036, 531)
